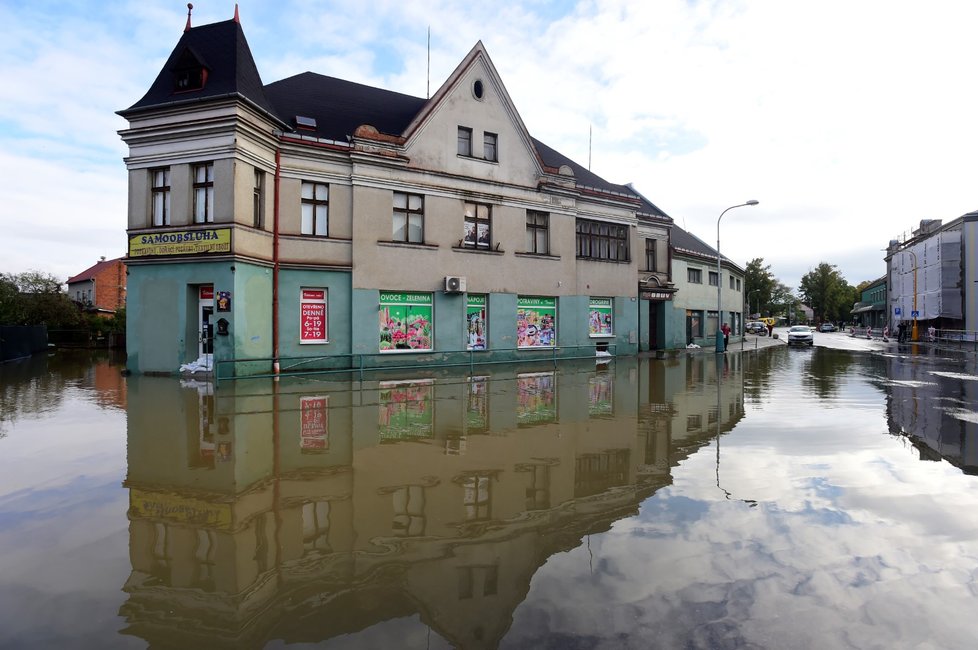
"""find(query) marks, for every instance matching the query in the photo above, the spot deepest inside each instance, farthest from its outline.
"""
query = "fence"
(380, 361)
(19, 341)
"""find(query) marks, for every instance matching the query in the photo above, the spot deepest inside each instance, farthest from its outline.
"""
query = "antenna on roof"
(589, 147)
(428, 95)
(190, 8)
(237, 18)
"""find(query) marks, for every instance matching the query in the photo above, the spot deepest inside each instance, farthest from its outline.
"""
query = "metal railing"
(385, 361)
(959, 339)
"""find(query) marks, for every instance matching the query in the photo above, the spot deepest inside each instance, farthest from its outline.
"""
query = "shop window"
(600, 317)
(406, 323)
(477, 321)
(536, 322)
(312, 316)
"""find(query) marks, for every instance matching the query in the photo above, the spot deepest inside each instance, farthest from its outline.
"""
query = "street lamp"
(719, 339)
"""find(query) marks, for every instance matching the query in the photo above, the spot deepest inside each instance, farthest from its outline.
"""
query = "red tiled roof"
(89, 273)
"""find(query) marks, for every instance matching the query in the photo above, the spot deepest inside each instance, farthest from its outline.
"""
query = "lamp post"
(719, 337)
(913, 330)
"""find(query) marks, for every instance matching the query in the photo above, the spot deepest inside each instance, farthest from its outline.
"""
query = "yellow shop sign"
(181, 242)
(185, 510)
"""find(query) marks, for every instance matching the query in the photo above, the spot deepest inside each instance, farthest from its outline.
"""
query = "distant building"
(101, 288)
(694, 273)
(931, 275)
(870, 311)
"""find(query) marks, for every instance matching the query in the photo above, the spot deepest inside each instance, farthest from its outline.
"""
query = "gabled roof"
(222, 50)
(334, 108)
(340, 106)
(92, 271)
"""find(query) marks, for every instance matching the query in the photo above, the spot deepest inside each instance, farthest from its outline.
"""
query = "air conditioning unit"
(454, 284)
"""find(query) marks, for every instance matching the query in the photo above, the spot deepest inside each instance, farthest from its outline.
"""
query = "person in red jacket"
(726, 335)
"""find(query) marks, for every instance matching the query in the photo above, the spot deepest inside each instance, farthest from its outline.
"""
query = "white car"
(801, 335)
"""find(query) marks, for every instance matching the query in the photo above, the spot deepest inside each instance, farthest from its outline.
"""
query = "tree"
(759, 285)
(35, 298)
(826, 291)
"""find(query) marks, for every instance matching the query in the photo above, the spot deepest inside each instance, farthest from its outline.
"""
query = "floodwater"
(776, 499)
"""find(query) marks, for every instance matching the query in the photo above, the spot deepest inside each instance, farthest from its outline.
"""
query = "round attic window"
(477, 89)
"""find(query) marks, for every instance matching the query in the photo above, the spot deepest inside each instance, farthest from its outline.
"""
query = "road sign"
(897, 311)
(914, 314)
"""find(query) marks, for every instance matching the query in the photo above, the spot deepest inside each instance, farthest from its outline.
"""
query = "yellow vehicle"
(768, 320)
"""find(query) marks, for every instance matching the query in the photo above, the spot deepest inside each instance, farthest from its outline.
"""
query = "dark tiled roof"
(91, 272)
(339, 106)
(684, 241)
(223, 50)
(582, 175)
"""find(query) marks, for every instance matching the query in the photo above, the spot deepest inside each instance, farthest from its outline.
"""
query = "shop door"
(653, 325)
(205, 328)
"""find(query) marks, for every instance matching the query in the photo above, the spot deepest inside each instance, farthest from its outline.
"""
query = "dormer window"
(189, 72)
(305, 123)
(189, 79)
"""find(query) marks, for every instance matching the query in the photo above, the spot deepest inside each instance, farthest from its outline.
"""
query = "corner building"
(318, 223)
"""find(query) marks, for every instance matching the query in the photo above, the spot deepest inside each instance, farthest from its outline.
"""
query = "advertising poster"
(600, 395)
(312, 316)
(405, 322)
(477, 322)
(599, 317)
(477, 405)
(314, 423)
(536, 322)
(406, 410)
(536, 398)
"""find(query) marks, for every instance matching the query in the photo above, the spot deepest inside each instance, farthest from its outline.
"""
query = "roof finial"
(237, 19)
(190, 8)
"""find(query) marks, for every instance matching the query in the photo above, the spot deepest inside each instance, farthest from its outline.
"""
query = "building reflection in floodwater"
(933, 402)
(313, 508)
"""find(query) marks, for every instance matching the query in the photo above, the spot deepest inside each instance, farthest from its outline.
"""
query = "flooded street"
(783, 498)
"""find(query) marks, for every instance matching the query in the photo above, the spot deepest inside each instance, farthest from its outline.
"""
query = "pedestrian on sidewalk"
(770, 328)
(726, 336)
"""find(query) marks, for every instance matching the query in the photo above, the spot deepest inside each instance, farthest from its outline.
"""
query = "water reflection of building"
(326, 507)
(935, 410)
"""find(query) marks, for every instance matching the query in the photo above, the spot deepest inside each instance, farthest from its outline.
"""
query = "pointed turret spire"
(237, 19)
(190, 8)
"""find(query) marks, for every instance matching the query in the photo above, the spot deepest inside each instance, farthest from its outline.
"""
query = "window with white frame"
(204, 193)
(161, 196)
(408, 218)
(315, 209)
(464, 141)
(258, 199)
(489, 146)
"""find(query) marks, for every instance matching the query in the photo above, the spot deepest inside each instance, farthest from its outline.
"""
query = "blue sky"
(850, 122)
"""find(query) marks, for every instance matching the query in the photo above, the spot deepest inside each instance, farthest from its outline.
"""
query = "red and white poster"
(312, 316)
(314, 423)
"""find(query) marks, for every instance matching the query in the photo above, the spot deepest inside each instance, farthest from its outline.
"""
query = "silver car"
(801, 335)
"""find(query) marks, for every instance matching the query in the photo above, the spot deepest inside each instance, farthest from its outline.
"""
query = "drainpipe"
(275, 211)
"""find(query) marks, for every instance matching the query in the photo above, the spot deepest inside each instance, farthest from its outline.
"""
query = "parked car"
(755, 327)
(801, 335)
(826, 327)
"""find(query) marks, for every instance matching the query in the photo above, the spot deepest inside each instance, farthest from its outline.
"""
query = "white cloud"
(848, 122)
